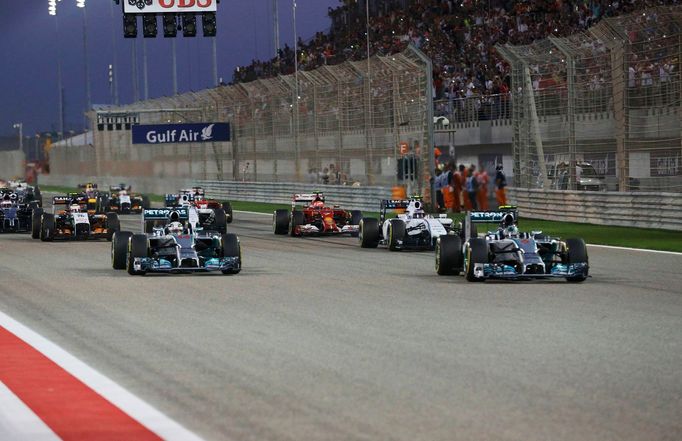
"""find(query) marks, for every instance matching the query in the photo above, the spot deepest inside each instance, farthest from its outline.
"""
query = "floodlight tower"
(52, 10)
(88, 96)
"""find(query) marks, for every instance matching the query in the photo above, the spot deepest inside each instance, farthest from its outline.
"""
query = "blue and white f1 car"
(413, 229)
(175, 243)
(507, 253)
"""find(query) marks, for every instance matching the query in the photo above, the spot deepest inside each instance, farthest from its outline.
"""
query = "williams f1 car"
(16, 213)
(210, 211)
(314, 217)
(70, 220)
(413, 229)
(175, 244)
(507, 253)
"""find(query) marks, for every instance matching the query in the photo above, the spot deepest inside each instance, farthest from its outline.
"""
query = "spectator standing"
(482, 193)
(465, 172)
(500, 184)
(456, 183)
(472, 186)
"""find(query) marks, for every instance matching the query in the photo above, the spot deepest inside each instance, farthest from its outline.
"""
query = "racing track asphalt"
(318, 339)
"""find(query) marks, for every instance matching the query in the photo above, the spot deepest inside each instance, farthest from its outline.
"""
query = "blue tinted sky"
(29, 48)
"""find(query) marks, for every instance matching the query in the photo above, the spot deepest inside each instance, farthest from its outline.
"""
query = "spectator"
(500, 184)
(472, 186)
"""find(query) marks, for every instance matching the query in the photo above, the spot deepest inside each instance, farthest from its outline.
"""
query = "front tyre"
(355, 218)
(47, 227)
(476, 252)
(35, 222)
(138, 247)
(113, 225)
(576, 252)
(297, 219)
(232, 248)
(227, 207)
(396, 234)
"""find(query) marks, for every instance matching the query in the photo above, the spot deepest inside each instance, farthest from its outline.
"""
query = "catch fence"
(600, 109)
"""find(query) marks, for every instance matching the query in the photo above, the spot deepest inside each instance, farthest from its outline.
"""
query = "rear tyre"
(219, 221)
(228, 211)
(576, 252)
(35, 222)
(476, 252)
(138, 247)
(47, 227)
(232, 248)
(119, 249)
(449, 256)
(396, 232)
(37, 196)
(280, 221)
(103, 204)
(145, 203)
(113, 225)
(355, 218)
(297, 219)
(370, 233)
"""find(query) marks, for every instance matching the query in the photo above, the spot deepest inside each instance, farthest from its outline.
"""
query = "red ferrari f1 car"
(311, 216)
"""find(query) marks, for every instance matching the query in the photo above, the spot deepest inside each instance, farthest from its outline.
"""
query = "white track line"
(18, 422)
(135, 407)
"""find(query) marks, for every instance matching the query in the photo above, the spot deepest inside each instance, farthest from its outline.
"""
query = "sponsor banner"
(180, 133)
(166, 6)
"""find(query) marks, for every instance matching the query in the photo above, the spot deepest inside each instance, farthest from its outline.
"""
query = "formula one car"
(507, 253)
(96, 200)
(314, 217)
(196, 196)
(413, 229)
(27, 193)
(70, 220)
(15, 212)
(175, 245)
(120, 199)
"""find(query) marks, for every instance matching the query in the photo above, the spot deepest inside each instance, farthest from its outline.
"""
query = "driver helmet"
(512, 231)
(6, 203)
(317, 203)
(175, 228)
(74, 208)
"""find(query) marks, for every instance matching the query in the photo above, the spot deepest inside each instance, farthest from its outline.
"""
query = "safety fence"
(348, 123)
(628, 209)
(605, 101)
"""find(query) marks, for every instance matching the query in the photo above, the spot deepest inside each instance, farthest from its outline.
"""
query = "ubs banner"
(180, 133)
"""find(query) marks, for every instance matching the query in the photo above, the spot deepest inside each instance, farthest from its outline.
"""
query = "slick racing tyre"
(228, 211)
(145, 203)
(476, 252)
(102, 204)
(396, 232)
(355, 218)
(370, 233)
(219, 221)
(231, 248)
(113, 225)
(138, 247)
(297, 219)
(47, 227)
(280, 221)
(449, 256)
(35, 222)
(576, 252)
(119, 249)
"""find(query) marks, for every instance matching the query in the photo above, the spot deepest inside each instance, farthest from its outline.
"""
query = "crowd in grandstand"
(459, 36)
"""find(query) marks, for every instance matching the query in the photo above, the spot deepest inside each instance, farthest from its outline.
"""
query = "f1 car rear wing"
(487, 217)
(306, 198)
(170, 214)
(392, 204)
(194, 191)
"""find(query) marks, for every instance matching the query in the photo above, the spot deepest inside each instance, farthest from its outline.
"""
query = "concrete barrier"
(12, 164)
(628, 209)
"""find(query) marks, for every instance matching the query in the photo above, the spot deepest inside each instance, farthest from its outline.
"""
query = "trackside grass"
(643, 238)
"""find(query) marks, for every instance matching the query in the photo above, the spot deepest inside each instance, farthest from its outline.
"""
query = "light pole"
(297, 164)
(52, 10)
(20, 126)
(114, 71)
(88, 96)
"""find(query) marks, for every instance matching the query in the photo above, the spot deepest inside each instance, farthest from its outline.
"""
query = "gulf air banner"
(180, 133)
(164, 6)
